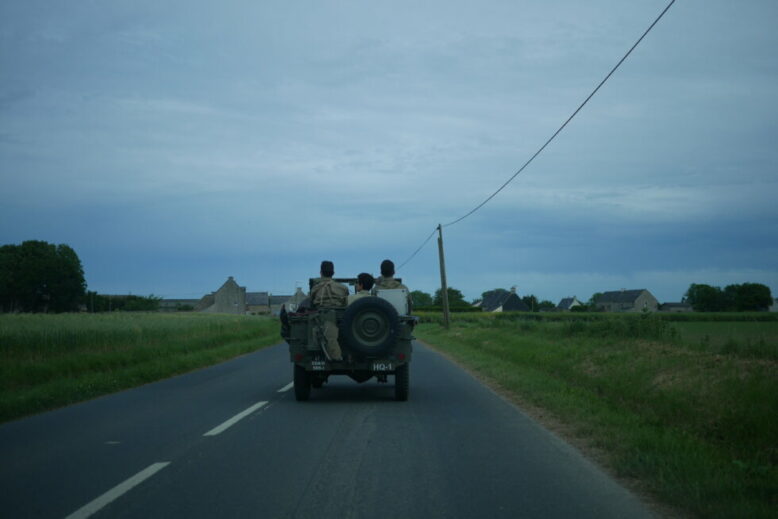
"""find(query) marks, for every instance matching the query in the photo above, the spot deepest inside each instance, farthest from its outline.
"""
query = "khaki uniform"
(328, 294)
(358, 295)
(389, 282)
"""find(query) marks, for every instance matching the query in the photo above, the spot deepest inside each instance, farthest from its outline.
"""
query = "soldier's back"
(329, 293)
(388, 283)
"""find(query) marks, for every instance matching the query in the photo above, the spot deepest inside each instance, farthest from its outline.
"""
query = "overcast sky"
(173, 144)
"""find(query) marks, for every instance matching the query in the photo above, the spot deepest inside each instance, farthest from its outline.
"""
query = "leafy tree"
(546, 305)
(37, 276)
(455, 298)
(531, 301)
(104, 303)
(592, 303)
(705, 298)
(420, 298)
(748, 297)
(489, 293)
(141, 304)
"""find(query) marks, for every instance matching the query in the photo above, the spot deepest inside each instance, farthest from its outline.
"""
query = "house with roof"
(263, 303)
(503, 302)
(229, 299)
(568, 303)
(640, 300)
(257, 303)
(675, 307)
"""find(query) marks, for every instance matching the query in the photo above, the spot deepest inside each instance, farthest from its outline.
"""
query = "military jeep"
(374, 334)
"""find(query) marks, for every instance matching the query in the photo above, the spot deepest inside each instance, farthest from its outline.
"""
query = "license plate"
(383, 366)
(318, 365)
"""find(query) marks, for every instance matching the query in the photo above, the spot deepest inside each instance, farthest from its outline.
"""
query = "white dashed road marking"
(235, 419)
(287, 387)
(117, 491)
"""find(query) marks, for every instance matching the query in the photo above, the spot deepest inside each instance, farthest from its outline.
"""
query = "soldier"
(386, 280)
(327, 295)
(326, 292)
(364, 284)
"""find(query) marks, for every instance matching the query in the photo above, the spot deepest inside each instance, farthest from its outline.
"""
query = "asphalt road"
(228, 441)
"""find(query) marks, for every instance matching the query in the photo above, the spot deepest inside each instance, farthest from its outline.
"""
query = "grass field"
(47, 361)
(687, 408)
(744, 339)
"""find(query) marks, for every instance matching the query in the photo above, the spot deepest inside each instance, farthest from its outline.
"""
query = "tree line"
(746, 297)
(40, 277)
(37, 276)
(456, 299)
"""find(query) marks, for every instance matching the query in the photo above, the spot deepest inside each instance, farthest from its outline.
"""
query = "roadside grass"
(695, 424)
(744, 339)
(47, 361)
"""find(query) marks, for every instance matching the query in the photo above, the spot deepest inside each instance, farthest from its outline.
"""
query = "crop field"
(744, 339)
(47, 361)
(686, 408)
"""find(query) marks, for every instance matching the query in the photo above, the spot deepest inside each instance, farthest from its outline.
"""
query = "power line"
(417, 250)
(479, 206)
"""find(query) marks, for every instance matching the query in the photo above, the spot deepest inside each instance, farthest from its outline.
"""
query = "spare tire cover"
(369, 326)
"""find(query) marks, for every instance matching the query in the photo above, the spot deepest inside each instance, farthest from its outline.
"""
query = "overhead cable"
(479, 206)
(417, 250)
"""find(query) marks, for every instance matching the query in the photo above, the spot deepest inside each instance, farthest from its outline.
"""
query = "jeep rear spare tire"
(369, 326)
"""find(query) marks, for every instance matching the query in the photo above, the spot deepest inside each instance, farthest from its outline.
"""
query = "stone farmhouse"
(232, 298)
(229, 299)
(266, 303)
(675, 307)
(627, 301)
(568, 303)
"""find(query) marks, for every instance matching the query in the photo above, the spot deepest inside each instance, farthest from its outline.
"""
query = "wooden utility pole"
(443, 285)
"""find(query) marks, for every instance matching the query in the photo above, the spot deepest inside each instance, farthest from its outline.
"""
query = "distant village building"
(233, 299)
(276, 302)
(675, 307)
(264, 303)
(774, 306)
(503, 302)
(177, 305)
(229, 299)
(568, 303)
(257, 303)
(639, 300)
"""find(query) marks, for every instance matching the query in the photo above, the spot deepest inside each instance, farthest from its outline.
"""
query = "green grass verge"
(47, 361)
(695, 425)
